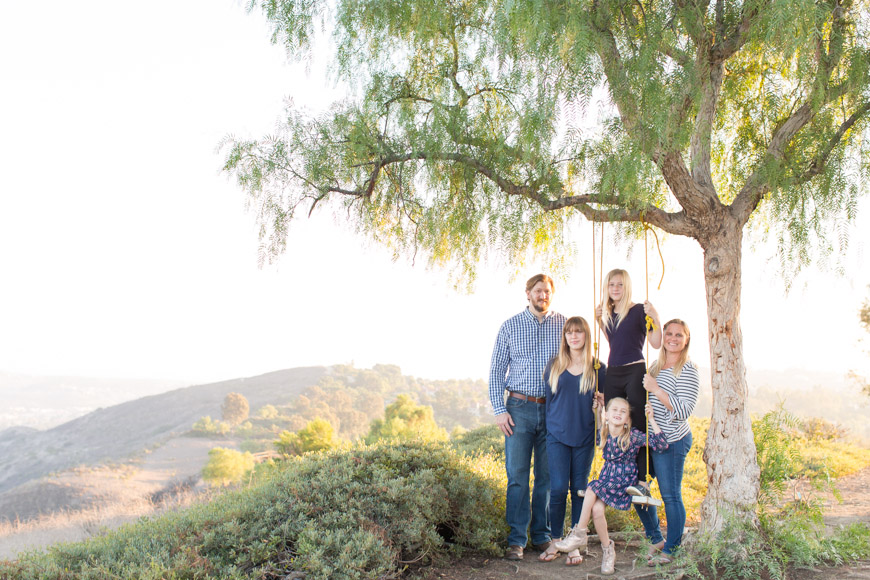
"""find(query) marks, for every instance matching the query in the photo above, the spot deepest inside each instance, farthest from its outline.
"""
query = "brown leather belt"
(523, 397)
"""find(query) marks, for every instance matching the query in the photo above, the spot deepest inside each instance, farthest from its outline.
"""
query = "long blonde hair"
(562, 360)
(657, 366)
(615, 310)
(624, 438)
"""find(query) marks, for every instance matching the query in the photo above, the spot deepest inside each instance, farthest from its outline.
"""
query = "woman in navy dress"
(573, 380)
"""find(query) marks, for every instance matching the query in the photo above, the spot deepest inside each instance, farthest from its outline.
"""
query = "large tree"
(480, 126)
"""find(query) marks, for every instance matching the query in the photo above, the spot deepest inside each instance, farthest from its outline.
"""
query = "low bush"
(790, 533)
(207, 426)
(488, 440)
(363, 512)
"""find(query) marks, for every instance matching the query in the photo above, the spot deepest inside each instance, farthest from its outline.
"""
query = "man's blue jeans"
(569, 470)
(529, 435)
(669, 473)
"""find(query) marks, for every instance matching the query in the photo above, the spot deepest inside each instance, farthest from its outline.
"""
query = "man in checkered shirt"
(524, 346)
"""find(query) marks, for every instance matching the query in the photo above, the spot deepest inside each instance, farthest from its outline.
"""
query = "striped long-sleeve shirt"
(522, 350)
(683, 394)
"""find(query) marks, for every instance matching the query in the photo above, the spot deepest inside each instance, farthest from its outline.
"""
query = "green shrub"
(268, 412)
(227, 466)
(405, 419)
(488, 440)
(318, 435)
(344, 514)
(206, 426)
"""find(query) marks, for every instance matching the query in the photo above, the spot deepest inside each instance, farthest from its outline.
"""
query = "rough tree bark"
(730, 455)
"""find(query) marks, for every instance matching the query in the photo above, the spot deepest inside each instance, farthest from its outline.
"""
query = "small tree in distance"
(235, 408)
(405, 419)
(317, 435)
(227, 466)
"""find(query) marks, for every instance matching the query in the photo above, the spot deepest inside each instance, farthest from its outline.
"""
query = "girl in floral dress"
(621, 444)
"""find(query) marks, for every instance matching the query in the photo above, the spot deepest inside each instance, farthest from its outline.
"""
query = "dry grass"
(73, 526)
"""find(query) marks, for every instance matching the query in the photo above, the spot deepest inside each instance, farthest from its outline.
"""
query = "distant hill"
(807, 394)
(116, 432)
(44, 402)
(349, 397)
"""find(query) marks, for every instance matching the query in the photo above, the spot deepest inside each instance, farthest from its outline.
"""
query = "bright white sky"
(125, 252)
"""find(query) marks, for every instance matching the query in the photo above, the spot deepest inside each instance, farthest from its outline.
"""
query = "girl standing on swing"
(625, 327)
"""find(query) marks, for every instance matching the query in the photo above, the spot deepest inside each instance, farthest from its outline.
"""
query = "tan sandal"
(550, 554)
(574, 560)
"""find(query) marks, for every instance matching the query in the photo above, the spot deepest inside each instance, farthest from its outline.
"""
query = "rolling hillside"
(116, 432)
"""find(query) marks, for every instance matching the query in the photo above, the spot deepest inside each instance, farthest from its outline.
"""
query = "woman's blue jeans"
(569, 471)
(669, 473)
(529, 435)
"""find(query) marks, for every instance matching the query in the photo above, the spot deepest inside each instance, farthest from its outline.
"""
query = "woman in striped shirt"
(673, 384)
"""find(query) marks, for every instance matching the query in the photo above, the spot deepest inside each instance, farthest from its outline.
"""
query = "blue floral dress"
(620, 468)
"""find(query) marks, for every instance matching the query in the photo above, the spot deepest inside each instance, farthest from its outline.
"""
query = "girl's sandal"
(574, 558)
(550, 554)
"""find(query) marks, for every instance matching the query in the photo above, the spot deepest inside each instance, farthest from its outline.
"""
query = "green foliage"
(206, 426)
(267, 412)
(472, 127)
(790, 539)
(227, 466)
(318, 435)
(235, 408)
(778, 456)
(487, 440)
(344, 514)
(350, 399)
(404, 419)
(792, 457)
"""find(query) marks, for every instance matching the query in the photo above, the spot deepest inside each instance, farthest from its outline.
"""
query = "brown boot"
(608, 560)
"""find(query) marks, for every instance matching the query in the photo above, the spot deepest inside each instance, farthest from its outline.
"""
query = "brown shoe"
(514, 553)
(544, 546)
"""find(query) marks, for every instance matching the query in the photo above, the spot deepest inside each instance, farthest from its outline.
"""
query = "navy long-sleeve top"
(626, 340)
(569, 413)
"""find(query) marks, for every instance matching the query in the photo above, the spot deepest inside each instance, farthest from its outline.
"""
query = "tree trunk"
(730, 455)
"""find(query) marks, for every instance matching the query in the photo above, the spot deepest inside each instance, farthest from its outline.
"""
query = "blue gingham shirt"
(522, 350)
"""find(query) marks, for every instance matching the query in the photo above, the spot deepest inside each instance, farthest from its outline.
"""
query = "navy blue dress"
(620, 468)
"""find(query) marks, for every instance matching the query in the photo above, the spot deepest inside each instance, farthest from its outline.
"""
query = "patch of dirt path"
(76, 504)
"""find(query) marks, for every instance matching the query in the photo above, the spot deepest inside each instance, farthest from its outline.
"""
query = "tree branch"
(822, 93)
(674, 223)
(700, 143)
(614, 70)
(728, 45)
(691, 14)
(817, 165)
(695, 198)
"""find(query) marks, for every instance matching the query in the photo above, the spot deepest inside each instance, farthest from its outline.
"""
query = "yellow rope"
(596, 362)
(650, 326)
